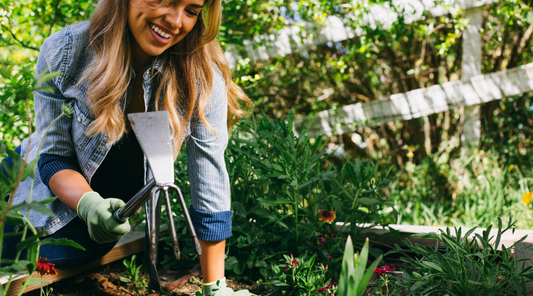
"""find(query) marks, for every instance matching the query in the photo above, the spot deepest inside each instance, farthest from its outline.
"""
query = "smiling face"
(156, 28)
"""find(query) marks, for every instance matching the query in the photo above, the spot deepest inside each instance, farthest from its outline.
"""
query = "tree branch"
(21, 43)
(524, 41)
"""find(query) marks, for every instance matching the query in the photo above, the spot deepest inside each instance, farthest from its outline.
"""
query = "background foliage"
(280, 181)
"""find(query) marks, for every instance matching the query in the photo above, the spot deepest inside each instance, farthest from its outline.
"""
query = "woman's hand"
(97, 212)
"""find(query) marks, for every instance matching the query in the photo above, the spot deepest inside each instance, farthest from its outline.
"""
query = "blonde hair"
(187, 72)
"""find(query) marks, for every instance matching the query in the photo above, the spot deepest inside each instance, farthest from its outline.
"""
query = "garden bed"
(103, 277)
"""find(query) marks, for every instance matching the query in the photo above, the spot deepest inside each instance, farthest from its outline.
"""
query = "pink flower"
(320, 240)
(328, 256)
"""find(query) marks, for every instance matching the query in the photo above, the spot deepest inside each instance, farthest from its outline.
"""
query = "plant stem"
(295, 212)
(26, 219)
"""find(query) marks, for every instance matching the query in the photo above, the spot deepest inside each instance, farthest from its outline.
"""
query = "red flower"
(326, 287)
(330, 234)
(326, 215)
(384, 269)
(44, 267)
(290, 264)
(294, 262)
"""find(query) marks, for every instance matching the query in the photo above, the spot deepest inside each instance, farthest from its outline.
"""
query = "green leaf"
(32, 254)
(272, 202)
(124, 279)
(347, 276)
(37, 281)
(4, 72)
(30, 241)
(431, 265)
(13, 268)
(361, 286)
(239, 268)
(48, 76)
(529, 17)
(360, 263)
(369, 201)
(261, 264)
(33, 205)
(230, 262)
(63, 242)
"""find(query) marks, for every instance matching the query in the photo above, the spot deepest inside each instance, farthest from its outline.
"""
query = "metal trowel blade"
(152, 130)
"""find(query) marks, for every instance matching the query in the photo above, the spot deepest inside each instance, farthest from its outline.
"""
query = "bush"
(285, 190)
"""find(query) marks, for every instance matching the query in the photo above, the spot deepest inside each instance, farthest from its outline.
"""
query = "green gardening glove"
(97, 212)
(219, 288)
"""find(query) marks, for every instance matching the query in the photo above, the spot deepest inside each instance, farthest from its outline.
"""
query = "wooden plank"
(507, 239)
(471, 132)
(335, 29)
(128, 245)
(420, 102)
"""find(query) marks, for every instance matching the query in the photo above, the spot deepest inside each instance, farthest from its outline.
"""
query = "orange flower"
(44, 267)
(527, 197)
(326, 215)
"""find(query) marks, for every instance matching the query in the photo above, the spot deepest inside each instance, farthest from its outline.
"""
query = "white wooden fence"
(473, 90)
(423, 102)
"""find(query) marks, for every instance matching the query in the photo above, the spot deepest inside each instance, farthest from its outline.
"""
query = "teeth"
(160, 32)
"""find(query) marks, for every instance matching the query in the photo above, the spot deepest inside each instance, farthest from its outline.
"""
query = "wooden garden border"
(507, 239)
(128, 245)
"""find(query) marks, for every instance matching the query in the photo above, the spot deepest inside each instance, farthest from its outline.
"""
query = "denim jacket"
(68, 52)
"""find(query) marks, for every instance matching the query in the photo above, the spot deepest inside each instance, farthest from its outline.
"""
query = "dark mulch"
(105, 281)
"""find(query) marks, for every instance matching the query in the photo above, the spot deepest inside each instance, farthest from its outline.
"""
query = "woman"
(132, 56)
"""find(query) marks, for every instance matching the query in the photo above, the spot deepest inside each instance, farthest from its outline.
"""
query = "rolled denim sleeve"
(210, 192)
(48, 102)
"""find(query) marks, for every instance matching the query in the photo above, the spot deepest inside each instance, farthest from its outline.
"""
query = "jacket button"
(101, 149)
(79, 119)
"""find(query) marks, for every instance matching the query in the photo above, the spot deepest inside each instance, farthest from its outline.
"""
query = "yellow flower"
(527, 197)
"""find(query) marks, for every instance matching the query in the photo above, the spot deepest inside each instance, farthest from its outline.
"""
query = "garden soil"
(106, 281)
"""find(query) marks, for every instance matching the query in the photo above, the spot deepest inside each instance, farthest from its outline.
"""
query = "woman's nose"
(174, 16)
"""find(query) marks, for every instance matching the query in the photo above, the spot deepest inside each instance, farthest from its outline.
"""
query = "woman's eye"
(192, 12)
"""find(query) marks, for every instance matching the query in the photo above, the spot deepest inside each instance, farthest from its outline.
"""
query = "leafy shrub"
(299, 276)
(281, 185)
(468, 266)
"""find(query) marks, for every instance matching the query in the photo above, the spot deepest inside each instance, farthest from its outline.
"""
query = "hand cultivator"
(153, 133)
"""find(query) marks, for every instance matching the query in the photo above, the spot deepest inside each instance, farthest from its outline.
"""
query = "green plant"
(353, 278)
(384, 287)
(470, 264)
(10, 178)
(133, 273)
(299, 276)
(281, 182)
(282, 187)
